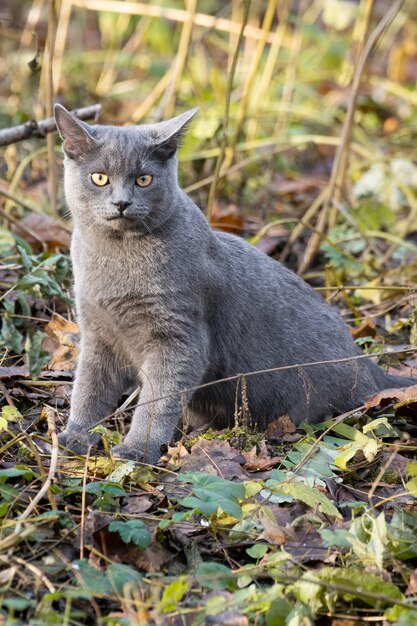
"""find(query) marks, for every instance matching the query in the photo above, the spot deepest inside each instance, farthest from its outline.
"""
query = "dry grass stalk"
(250, 79)
(49, 103)
(176, 15)
(341, 161)
(19, 533)
(223, 146)
(181, 58)
(60, 40)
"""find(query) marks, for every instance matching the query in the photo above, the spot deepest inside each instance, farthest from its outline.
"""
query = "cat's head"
(122, 178)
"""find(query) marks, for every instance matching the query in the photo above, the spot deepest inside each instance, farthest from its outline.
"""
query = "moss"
(240, 437)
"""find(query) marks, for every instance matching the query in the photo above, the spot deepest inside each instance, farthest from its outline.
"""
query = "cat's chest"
(112, 271)
(129, 292)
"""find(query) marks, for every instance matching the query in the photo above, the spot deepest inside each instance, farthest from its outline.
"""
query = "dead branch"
(32, 128)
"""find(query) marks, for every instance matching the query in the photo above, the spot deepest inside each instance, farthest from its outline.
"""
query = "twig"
(43, 127)
(36, 571)
(272, 370)
(18, 534)
(220, 159)
(83, 503)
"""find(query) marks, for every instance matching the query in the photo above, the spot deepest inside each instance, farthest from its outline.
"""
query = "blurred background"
(305, 142)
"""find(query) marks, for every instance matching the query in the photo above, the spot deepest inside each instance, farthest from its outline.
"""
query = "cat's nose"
(122, 205)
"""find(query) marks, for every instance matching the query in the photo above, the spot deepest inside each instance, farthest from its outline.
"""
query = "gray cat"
(166, 303)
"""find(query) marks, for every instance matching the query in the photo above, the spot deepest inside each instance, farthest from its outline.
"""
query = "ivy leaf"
(133, 531)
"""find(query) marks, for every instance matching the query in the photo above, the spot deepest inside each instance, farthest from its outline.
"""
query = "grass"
(305, 145)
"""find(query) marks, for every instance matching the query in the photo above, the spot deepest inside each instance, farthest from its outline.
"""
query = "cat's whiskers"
(142, 220)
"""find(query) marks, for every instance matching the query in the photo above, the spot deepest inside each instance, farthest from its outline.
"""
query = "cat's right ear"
(77, 140)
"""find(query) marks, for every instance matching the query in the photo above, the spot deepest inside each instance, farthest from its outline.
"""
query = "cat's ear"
(75, 135)
(169, 133)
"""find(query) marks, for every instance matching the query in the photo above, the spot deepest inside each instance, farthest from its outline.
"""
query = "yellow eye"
(144, 180)
(99, 179)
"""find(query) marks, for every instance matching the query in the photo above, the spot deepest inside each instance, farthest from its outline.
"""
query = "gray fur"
(165, 302)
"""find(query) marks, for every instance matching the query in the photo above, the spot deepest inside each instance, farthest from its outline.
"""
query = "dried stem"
(341, 161)
(223, 145)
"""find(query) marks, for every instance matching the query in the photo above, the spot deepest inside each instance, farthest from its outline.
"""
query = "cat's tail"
(390, 381)
(399, 381)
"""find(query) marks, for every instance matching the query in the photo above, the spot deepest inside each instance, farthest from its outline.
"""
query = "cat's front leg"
(99, 382)
(165, 374)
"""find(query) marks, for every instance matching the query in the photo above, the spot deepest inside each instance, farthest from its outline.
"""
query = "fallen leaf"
(365, 329)
(408, 395)
(62, 342)
(282, 429)
(260, 461)
(412, 584)
(227, 219)
(47, 230)
(215, 457)
(272, 533)
(14, 371)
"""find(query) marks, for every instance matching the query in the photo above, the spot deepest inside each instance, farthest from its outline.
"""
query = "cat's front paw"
(125, 452)
(75, 442)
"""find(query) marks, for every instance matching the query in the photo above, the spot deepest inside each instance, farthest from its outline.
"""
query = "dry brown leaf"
(14, 371)
(282, 429)
(272, 533)
(407, 395)
(228, 219)
(47, 229)
(215, 457)
(412, 584)
(365, 329)
(62, 342)
(260, 461)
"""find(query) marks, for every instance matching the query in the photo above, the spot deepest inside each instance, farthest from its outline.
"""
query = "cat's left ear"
(169, 133)
(77, 139)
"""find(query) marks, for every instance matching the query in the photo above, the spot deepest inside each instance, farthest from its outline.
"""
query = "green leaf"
(11, 414)
(278, 612)
(257, 551)
(10, 336)
(37, 357)
(336, 538)
(412, 469)
(357, 583)
(402, 533)
(401, 616)
(95, 582)
(122, 470)
(132, 531)
(173, 594)
(102, 487)
(212, 493)
(215, 576)
(6, 241)
(309, 496)
(17, 470)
